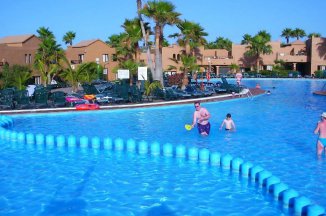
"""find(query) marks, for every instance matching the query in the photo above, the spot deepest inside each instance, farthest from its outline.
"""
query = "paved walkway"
(221, 97)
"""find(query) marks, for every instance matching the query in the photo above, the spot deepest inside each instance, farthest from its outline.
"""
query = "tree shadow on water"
(74, 205)
(161, 210)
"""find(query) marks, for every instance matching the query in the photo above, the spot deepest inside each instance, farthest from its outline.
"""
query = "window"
(178, 57)
(81, 57)
(105, 71)
(28, 58)
(105, 57)
(173, 56)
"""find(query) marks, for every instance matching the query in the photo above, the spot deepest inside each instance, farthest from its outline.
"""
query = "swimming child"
(228, 122)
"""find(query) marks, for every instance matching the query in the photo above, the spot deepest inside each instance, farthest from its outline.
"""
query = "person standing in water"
(201, 117)
(228, 122)
(321, 130)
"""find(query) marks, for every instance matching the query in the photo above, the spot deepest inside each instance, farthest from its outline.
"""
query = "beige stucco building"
(306, 57)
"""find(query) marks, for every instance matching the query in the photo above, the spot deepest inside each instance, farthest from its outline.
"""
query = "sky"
(99, 19)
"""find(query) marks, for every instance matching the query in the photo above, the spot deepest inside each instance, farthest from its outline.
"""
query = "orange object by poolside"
(89, 97)
(87, 107)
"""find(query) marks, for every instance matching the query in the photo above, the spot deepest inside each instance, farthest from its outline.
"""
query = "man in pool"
(321, 130)
(201, 116)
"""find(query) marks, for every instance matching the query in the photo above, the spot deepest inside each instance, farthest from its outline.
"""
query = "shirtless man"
(228, 122)
(321, 129)
(201, 116)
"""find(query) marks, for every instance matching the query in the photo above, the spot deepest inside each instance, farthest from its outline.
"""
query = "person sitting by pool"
(228, 122)
(321, 130)
(201, 116)
(257, 86)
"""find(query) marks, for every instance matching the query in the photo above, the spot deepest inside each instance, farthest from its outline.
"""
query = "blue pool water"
(274, 131)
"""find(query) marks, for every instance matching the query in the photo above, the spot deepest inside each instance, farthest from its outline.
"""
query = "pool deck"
(220, 97)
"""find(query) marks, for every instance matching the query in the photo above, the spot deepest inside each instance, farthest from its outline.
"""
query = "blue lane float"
(315, 210)
(83, 142)
(280, 191)
(289, 195)
(262, 176)
(118, 144)
(39, 139)
(254, 171)
(96, 143)
(155, 149)
(300, 203)
(236, 164)
(180, 151)
(278, 188)
(193, 154)
(61, 141)
(142, 147)
(204, 155)
(215, 159)
(30, 138)
(245, 169)
(226, 161)
(168, 150)
(131, 145)
(72, 141)
(107, 144)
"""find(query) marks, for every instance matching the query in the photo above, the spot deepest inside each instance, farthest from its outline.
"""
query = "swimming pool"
(274, 131)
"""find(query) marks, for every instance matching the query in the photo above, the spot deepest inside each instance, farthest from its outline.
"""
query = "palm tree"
(258, 45)
(20, 76)
(287, 33)
(298, 33)
(316, 35)
(223, 43)
(133, 36)
(84, 72)
(162, 13)
(246, 39)
(69, 37)
(145, 34)
(234, 67)
(48, 55)
(191, 36)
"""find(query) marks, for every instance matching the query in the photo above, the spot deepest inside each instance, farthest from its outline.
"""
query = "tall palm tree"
(47, 55)
(163, 13)
(298, 33)
(287, 33)
(191, 36)
(133, 36)
(69, 37)
(258, 45)
(145, 34)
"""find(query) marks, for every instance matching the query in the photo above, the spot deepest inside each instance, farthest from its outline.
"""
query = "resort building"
(93, 51)
(20, 50)
(305, 57)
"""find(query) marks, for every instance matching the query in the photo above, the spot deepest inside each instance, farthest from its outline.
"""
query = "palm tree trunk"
(158, 58)
(148, 51)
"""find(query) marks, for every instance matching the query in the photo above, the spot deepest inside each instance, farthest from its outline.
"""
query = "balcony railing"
(76, 61)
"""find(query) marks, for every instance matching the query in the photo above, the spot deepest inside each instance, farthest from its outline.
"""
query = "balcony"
(297, 57)
(76, 61)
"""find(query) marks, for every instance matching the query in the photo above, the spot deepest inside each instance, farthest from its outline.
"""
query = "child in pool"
(229, 123)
